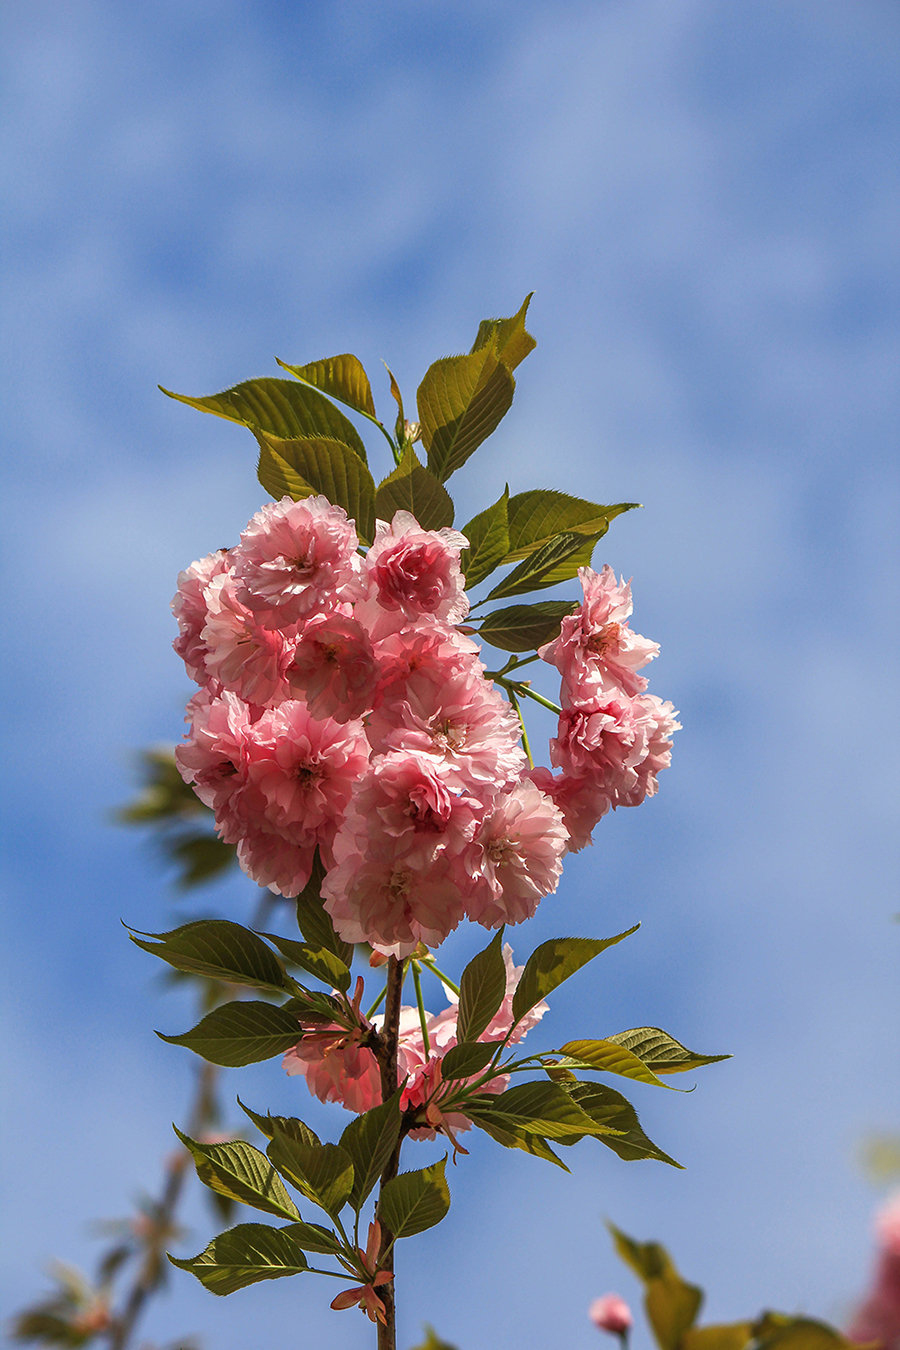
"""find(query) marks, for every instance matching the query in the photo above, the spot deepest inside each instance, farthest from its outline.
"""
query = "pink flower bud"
(611, 1313)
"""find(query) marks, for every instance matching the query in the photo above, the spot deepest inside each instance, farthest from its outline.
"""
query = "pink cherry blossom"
(611, 1313)
(333, 667)
(581, 802)
(243, 655)
(878, 1316)
(213, 758)
(189, 606)
(273, 861)
(417, 571)
(596, 651)
(619, 746)
(521, 844)
(337, 1067)
(385, 902)
(297, 558)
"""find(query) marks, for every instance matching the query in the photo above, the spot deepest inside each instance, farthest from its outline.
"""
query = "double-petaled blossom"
(333, 667)
(417, 571)
(520, 846)
(191, 610)
(596, 651)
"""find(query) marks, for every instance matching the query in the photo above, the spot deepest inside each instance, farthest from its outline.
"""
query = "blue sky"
(704, 198)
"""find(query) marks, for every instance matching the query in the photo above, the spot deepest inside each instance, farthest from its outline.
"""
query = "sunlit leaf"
(414, 1201)
(369, 1140)
(289, 1126)
(240, 1033)
(321, 1172)
(244, 1255)
(608, 1107)
(468, 1058)
(488, 537)
(482, 988)
(554, 961)
(660, 1051)
(219, 949)
(461, 401)
(511, 1135)
(537, 516)
(541, 1108)
(557, 560)
(508, 337)
(242, 1173)
(342, 377)
(317, 961)
(610, 1058)
(305, 466)
(524, 628)
(315, 922)
(412, 487)
(314, 1238)
(282, 408)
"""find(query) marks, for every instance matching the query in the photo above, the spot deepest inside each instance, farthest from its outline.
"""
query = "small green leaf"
(369, 1140)
(240, 1033)
(279, 408)
(488, 536)
(481, 990)
(508, 337)
(541, 1108)
(316, 464)
(608, 1107)
(557, 560)
(241, 1172)
(468, 1058)
(725, 1336)
(289, 1126)
(537, 516)
(313, 1005)
(313, 918)
(412, 487)
(554, 961)
(610, 1058)
(400, 424)
(511, 1135)
(317, 961)
(524, 628)
(244, 1255)
(342, 377)
(321, 1172)
(219, 949)
(461, 401)
(314, 1238)
(672, 1305)
(782, 1331)
(414, 1201)
(433, 1342)
(660, 1051)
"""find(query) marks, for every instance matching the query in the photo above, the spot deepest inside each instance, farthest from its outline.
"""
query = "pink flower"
(389, 904)
(619, 746)
(611, 1313)
(243, 655)
(333, 667)
(596, 652)
(337, 1067)
(521, 844)
(213, 758)
(295, 558)
(417, 571)
(878, 1317)
(273, 861)
(189, 606)
(363, 1296)
(582, 803)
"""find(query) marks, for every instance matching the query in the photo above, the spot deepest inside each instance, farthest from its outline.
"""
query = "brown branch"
(387, 1060)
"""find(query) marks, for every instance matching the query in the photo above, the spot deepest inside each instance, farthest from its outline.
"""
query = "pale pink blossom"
(389, 904)
(520, 846)
(243, 655)
(337, 1067)
(333, 667)
(619, 746)
(878, 1317)
(611, 1313)
(417, 571)
(213, 759)
(296, 558)
(582, 803)
(189, 606)
(596, 652)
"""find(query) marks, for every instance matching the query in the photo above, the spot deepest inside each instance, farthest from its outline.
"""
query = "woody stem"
(387, 1059)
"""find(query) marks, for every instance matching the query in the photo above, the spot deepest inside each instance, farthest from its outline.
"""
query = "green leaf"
(468, 1058)
(412, 487)
(725, 1336)
(610, 1058)
(507, 337)
(524, 628)
(317, 464)
(400, 424)
(488, 536)
(660, 1051)
(553, 962)
(414, 1201)
(317, 961)
(557, 560)
(511, 1135)
(314, 1238)
(244, 1255)
(198, 856)
(342, 377)
(433, 1342)
(608, 1107)
(313, 918)
(369, 1140)
(482, 988)
(280, 408)
(241, 1172)
(537, 516)
(321, 1172)
(312, 1005)
(288, 1126)
(542, 1108)
(240, 1033)
(786, 1332)
(671, 1303)
(461, 401)
(219, 949)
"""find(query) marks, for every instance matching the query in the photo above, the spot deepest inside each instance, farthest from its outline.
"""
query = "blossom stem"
(423, 1022)
(525, 743)
(527, 690)
(376, 1005)
(429, 964)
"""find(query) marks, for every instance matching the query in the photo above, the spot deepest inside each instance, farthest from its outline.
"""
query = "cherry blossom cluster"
(342, 710)
(340, 1067)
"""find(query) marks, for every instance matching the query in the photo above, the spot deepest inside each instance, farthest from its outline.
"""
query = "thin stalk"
(526, 746)
(429, 964)
(387, 1060)
(527, 690)
(421, 1006)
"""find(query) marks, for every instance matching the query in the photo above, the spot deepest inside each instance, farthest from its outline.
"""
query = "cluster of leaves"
(560, 1106)
(672, 1307)
(184, 828)
(307, 445)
